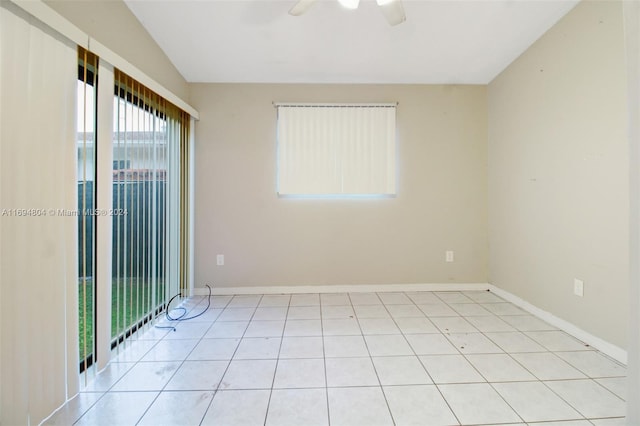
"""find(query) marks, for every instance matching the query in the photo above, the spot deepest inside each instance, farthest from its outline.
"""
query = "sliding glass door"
(147, 199)
(133, 254)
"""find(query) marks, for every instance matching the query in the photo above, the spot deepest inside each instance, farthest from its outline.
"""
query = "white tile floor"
(423, 358)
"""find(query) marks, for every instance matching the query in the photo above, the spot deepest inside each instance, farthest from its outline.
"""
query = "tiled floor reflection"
(355, 359)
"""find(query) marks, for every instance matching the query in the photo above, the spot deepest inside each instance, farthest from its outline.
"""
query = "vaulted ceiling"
(441, 42)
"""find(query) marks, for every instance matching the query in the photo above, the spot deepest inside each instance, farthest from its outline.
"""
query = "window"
(132, 208)
(341, 150)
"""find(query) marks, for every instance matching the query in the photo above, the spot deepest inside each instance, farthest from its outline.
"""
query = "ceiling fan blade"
(301, 7)
(393, 11)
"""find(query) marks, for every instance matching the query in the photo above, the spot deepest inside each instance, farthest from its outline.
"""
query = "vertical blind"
(336, 149)
(150, 161)
(38, 243)
(52, 175)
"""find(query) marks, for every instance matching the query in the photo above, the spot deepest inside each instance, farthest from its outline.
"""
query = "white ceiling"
(442, 41)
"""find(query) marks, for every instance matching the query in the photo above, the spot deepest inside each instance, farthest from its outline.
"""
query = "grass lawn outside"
(130, 301)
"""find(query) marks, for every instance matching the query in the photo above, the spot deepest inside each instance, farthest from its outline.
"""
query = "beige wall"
(558, 173)
(441, 201)
(112, 24)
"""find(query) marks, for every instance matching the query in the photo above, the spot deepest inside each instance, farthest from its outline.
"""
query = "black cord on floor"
(182, 317)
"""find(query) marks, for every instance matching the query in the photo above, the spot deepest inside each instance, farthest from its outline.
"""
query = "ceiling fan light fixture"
(393, 11)
(349, 4)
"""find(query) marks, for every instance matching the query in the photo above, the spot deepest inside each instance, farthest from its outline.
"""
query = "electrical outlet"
(220, 260)
(578, 287)
(448, 256)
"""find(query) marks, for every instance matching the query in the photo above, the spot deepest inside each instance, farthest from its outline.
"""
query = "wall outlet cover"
(448, 256)
(578, 287)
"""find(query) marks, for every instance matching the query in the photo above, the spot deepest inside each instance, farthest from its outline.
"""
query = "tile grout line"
(394, 319)
(464, 356)
(518, 363)
(124, 348)
(217, 389)
(135, 363)
(418, 357)
(324, 363)
(544, 382)
(183, 361)
(275, 370)
(366, 344)
(538, 380)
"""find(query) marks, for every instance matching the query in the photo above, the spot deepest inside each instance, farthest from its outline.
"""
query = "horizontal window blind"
(336, 149)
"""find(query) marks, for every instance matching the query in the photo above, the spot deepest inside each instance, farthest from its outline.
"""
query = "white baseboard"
(603, 346)
(365, 288)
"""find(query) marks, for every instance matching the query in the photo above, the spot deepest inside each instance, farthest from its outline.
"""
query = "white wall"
(441, 201)
(558, 173)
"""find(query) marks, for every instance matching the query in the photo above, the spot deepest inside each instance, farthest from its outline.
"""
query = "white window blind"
(39, 246)
(336, 149)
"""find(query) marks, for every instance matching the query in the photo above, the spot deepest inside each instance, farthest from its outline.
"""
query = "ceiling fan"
(391, 9)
